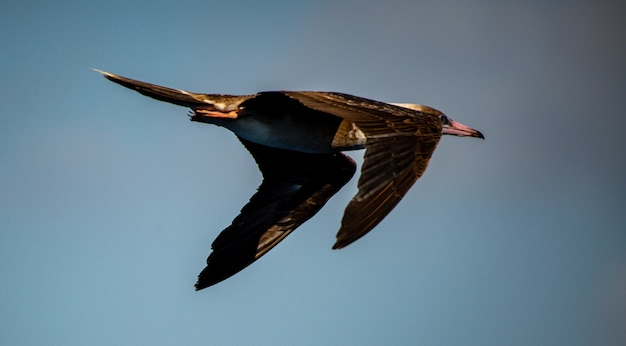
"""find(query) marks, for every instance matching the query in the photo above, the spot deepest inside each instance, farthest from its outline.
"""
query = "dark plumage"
(296, 138)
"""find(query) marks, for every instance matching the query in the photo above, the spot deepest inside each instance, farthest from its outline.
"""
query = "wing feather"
(379, 192)
(295, 187)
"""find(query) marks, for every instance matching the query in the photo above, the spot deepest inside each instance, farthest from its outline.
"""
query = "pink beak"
(455, 128)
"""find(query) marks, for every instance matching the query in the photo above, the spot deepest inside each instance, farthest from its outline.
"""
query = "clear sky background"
(109, 201)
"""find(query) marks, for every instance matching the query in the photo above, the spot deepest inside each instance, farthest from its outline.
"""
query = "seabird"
(297, 139)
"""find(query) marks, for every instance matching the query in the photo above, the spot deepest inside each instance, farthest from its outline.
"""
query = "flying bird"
(297, 139)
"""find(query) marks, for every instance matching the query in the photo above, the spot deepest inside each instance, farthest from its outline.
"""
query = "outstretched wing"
(385, 179)
(178, 96)
(295, 186)
(400, 142)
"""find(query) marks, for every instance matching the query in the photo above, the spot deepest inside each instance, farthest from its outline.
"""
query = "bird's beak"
(455, 128)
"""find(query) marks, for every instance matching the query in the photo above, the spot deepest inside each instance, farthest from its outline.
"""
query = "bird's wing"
(390, 168)
(400, 142)
(295, 186)
(374, 118)
(176, 96)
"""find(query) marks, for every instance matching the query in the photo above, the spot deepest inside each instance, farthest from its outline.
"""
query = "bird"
(297, 139)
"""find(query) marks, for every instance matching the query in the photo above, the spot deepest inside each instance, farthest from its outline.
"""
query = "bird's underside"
(295, 138)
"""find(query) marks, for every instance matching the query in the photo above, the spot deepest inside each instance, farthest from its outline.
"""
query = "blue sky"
(109, 200)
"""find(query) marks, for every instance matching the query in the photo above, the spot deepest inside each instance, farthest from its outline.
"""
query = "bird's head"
(455, 128)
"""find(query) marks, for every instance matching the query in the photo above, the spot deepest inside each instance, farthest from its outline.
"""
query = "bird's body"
(296, 138)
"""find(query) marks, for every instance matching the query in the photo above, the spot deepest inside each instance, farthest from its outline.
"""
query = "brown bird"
(296, 139)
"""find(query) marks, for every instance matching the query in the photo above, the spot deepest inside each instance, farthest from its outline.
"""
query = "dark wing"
(385, 179)
(295, 187)
(175, 96)
(400, 142)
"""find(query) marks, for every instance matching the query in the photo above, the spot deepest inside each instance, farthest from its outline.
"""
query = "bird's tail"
(175, 96)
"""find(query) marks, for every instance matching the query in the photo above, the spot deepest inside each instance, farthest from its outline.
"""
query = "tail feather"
(175, 96)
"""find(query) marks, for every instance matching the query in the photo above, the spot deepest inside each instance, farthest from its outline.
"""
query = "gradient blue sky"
(109, 200)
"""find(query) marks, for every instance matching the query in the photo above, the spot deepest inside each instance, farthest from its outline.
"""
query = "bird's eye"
(444, 119)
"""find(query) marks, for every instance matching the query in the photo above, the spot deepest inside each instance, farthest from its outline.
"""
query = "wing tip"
(341, 243)
(209, 277)
(111, 76)
(203, 283)
(199, 287)
(104, 73)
